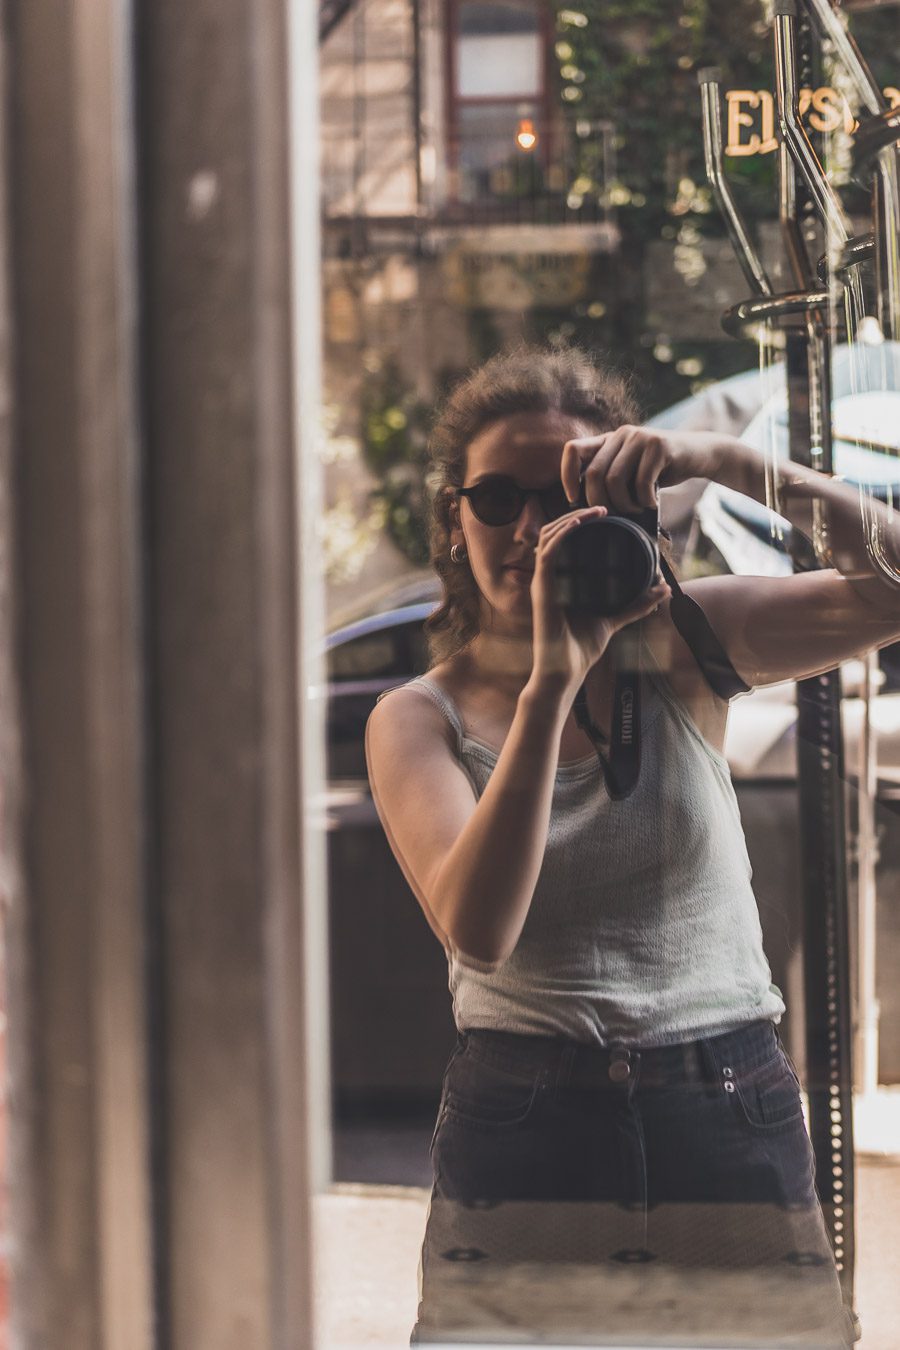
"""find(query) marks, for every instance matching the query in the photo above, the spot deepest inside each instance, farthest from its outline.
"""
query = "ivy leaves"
(394, 444)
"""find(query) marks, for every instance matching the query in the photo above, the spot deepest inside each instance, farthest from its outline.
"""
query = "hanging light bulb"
(526, 136)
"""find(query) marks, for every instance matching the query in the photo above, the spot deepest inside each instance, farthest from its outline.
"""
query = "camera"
(608, 564)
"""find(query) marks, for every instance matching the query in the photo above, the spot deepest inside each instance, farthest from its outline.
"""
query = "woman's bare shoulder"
(410, 709)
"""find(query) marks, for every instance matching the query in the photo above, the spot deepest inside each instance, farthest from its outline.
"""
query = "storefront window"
(563, 205)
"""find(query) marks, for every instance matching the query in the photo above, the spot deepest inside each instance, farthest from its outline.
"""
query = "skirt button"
(619, 1066)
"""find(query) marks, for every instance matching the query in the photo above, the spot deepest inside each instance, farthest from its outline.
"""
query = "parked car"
(386, 649)
(384, 643)
(363, 659)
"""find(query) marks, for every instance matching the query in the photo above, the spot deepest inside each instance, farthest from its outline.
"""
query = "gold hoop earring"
(458, 554)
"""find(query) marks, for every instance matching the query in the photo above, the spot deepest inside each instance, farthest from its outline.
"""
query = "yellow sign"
(526, 267)
(516, 280)
(751, 116)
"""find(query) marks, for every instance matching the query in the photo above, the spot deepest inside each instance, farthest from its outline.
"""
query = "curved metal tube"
(714, 155)
(787, 97)
(859, 249)
(760, 309)
(875, 134)
(877, 137)
(831, 24)
(791, 234)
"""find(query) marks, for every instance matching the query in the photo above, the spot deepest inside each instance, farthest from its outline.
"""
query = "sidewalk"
(367, 1241)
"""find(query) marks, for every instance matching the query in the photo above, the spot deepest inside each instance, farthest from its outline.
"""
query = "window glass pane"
(516, 17)
(540, 177)
(487, 133)
(493, 66)
(364, 658)
(490, 161)
(498, 51)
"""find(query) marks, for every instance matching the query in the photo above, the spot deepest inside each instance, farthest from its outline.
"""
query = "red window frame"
(453, 102)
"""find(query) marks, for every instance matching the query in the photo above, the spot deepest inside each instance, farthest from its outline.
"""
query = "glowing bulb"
(526, 136)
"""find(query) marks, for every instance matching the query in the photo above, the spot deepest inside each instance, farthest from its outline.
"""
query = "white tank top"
(643, 926)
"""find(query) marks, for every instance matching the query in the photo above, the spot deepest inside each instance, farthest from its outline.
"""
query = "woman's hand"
(567, 645)
(622, 469)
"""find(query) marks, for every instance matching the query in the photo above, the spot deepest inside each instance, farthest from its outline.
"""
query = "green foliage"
(634, 63)
(394, 443)
(631, 65)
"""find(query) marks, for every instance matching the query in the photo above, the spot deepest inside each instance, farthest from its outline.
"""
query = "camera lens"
(605, 566)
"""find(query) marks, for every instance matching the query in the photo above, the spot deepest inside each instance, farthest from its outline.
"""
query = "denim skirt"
(534, 1118)
(694, 1152)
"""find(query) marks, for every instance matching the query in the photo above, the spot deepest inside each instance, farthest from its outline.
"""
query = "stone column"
(150, 610)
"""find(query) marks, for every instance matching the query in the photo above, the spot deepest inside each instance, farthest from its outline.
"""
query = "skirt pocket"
(769, 1097)
(487, 1096)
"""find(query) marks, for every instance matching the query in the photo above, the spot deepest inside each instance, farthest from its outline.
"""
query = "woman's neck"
(505, 661)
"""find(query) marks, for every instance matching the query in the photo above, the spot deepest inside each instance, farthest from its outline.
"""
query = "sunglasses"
(498, 499)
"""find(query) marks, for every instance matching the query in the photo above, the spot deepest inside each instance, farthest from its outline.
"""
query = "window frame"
(454, 102)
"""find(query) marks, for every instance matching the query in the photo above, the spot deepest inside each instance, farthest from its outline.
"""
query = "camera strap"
(620, 754)
(621, 764)
(708, 652)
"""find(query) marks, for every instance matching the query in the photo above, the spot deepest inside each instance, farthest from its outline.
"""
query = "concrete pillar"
(150, 612)
(223, 611)
(72, 691)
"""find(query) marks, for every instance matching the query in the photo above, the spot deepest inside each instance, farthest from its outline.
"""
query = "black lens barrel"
(605, 566)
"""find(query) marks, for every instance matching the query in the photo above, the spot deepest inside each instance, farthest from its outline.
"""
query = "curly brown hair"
(525, 379)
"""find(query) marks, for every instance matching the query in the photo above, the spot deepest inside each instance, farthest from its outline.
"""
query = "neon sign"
(750, 116)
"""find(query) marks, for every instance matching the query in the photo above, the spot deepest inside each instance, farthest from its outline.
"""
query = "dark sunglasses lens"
(555, 502)
(496, 501)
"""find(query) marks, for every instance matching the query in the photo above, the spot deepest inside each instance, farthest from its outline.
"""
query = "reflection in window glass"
(364, 658)
(490, 162)
(498, 93)
(494, 67)
(552, 190)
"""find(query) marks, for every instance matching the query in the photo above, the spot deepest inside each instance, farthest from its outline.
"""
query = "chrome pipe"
(858, 250)
(832, 24)
(786, 310)
(714, 155)
(791, 234)
(886, 209)
(787, 96)
(886, 199)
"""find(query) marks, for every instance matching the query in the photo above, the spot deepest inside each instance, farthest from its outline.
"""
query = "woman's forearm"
(483, 891)
(743, 468)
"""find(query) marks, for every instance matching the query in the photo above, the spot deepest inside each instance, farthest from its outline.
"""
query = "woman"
(615, 1009)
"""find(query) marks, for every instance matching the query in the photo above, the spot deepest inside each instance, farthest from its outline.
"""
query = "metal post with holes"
(803, 316)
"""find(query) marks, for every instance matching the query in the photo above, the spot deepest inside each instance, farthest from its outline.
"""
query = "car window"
(367, 657)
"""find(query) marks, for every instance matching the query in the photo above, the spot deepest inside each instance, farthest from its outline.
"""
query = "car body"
(382, 644)
(370, 655)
